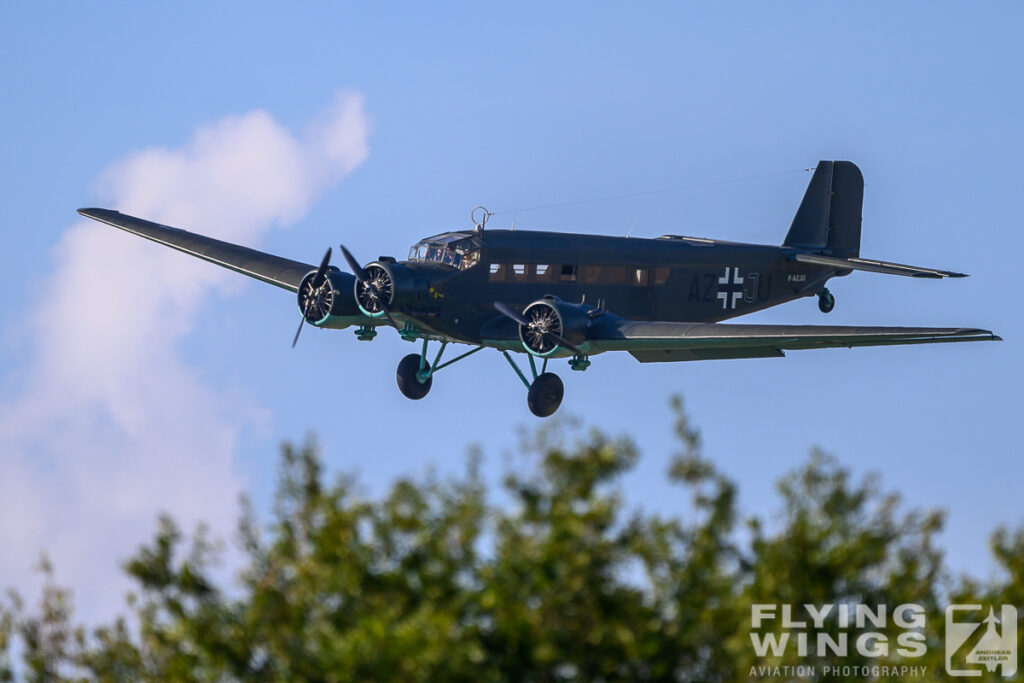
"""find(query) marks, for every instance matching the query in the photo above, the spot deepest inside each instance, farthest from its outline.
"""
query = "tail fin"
(829, 217)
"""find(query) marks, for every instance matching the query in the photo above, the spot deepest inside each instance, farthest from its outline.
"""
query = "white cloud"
(109, 425)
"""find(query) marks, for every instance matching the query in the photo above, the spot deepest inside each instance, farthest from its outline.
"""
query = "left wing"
(652, 342)
(274, 270)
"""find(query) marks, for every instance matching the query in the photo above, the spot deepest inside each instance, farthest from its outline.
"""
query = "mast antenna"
(484, 216)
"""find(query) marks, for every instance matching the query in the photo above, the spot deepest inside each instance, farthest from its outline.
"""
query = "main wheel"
(408, 381)
(545, 394)
(826, 301)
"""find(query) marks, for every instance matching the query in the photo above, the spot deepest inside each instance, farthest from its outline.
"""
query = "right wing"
(274, 270)
(651, 342)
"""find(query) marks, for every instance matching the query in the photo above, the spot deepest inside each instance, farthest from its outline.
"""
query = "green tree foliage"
(557, 579)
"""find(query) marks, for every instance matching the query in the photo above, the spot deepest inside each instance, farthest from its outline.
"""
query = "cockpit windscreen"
(458, 250)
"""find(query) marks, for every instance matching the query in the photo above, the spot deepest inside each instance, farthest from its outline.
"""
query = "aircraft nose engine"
(549, 320)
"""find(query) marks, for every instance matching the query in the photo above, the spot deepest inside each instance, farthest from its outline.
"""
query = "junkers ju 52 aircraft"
(559, 295)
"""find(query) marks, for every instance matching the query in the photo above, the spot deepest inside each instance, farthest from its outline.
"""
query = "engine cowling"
(321, 300)
(550, 317)
(391, 285)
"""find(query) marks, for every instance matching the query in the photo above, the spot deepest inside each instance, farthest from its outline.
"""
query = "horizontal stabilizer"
(874, 266)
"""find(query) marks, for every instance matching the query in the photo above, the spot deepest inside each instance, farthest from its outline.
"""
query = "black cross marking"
(730, 287)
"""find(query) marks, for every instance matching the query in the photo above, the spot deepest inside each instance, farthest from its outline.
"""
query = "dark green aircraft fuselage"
(668, 278)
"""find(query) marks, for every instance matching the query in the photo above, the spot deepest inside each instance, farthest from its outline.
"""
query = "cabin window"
(641, 277)
(617, 275)
(592, 274)
(661, 275)
(527, 272)
(470, 259)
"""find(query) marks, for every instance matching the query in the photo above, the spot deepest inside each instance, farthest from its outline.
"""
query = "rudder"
(844, 220)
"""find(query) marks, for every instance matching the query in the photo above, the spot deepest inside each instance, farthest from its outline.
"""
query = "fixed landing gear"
(545, 394)
(415, 375)
(409, 382)
(826, 301)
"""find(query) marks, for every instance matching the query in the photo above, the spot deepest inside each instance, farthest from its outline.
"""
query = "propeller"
(319, 282)
(353, 265)
(509, 312)
(365, 280)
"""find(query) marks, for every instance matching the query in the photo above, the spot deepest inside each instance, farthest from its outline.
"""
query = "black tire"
(545, 394)
(826, 302)
(408, 383)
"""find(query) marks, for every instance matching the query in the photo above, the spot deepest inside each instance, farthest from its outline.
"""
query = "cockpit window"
(458, 250)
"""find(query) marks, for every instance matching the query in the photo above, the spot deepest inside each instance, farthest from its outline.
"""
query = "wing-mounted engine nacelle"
(389, 285)
(550, 318)
(326, 300)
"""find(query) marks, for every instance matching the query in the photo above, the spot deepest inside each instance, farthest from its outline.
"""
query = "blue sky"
(512, 106)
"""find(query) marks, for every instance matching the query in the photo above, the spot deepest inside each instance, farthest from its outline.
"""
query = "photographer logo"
(967, 654)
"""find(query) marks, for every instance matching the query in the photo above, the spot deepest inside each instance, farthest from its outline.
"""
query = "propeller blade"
(387, 314)
(353, 265)
(561, 341)
(322, 270)
(302, 323)
(510, 313)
